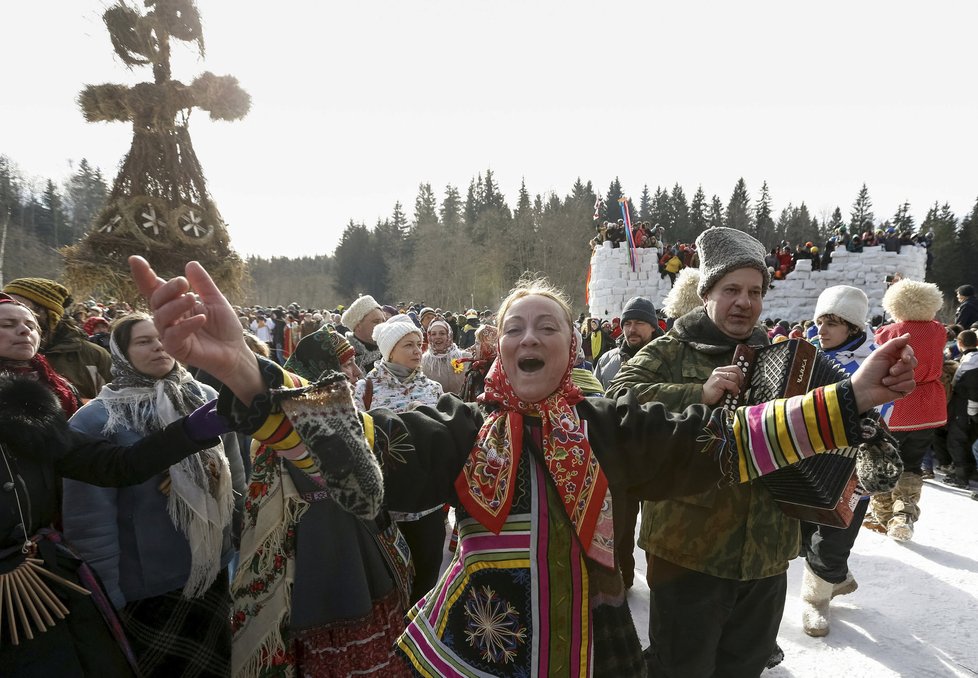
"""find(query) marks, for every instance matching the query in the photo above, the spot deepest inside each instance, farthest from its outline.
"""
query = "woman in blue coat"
(161, 547)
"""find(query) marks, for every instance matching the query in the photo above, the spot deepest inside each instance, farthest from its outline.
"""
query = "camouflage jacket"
(731, 532)
(86, 365)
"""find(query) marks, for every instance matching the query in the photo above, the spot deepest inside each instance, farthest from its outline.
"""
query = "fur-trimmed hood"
(913, 300)
(683, 298)
(31, 419)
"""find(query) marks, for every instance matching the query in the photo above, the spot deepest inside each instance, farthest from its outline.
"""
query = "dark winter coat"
(467, 338)
(964, 389)
(967, 313)
(278, 332)
(40, 449)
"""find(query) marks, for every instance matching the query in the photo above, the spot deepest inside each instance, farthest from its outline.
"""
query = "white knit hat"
(391, 331)
(358, 310)
(849, 303)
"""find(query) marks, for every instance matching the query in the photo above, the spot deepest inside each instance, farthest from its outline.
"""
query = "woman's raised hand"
(198, 327)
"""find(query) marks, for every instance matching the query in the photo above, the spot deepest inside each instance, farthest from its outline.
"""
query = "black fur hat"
(31, 419)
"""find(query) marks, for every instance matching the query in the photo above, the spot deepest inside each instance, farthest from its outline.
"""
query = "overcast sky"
(354, 104)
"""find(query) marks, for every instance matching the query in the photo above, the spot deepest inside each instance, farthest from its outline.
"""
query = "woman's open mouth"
(530, 364)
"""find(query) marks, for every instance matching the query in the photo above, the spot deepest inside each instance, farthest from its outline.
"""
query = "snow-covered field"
(915, 613)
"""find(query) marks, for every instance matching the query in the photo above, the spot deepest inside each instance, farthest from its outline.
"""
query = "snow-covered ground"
(915, 613)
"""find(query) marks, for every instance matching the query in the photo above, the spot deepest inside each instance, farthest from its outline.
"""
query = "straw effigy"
(159, 206)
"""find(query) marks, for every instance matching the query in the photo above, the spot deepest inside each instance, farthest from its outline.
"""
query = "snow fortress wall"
(613, 282)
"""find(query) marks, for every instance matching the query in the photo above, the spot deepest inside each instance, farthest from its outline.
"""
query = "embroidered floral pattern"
(491, 470)
(390, 392)
(265, 460)
(493, 626)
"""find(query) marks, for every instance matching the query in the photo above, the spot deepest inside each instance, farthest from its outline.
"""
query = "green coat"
(732, 533)
(86, 365)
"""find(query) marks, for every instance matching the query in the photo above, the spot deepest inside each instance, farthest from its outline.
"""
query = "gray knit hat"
(639, 308)
(723, 250)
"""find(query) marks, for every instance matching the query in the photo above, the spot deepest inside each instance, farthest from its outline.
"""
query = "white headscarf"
(200, 502)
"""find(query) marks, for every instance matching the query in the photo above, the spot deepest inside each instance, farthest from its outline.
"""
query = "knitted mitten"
(878, 462)
(205, 423)
(878, 467)
(324, 416)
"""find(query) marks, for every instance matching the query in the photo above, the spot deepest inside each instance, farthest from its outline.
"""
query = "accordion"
(820, 489)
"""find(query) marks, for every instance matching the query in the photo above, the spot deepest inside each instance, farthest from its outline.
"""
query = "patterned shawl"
(261, 592)
(486, 484)
(200, 501)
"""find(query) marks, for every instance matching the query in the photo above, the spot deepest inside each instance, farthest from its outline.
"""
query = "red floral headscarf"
(485, 486)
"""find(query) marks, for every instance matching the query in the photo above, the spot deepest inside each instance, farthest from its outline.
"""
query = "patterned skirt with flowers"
(525, 601)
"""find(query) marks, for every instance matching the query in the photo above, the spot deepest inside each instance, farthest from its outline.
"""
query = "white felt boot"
(815, 595)
(845, 587)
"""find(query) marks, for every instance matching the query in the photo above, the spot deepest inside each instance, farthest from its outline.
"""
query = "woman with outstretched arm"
(533, 586)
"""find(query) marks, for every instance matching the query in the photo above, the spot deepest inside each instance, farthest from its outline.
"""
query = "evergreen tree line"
(468, 252)
(39, 216)
(460, 252)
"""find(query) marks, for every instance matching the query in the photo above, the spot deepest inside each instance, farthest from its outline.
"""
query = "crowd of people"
(218, 490)
(781, 260)
(671, 258)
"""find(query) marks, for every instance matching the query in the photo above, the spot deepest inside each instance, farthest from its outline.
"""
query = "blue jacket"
(125, 533)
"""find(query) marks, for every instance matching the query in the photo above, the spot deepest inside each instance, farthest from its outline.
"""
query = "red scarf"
(486, 485)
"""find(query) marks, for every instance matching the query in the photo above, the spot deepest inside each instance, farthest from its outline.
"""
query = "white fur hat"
(849, 303)
(912, 300)
(358, 310)
(391, 331)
